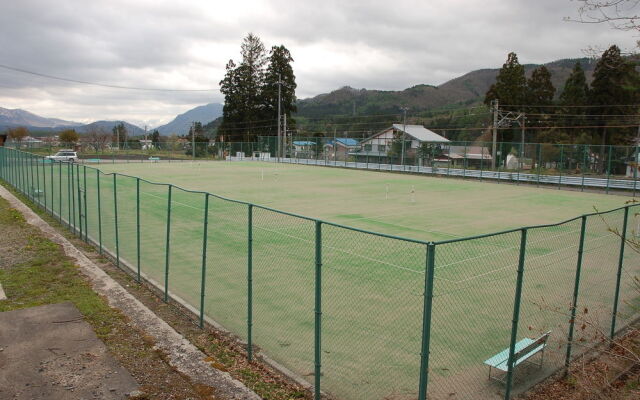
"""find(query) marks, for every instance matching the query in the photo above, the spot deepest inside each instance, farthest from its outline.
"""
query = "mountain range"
(459, 92)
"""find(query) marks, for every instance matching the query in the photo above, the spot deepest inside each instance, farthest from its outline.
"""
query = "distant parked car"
(64, 155)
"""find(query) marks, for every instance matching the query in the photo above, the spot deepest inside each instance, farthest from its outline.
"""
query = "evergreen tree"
(155, 138)
(615, 83)
(242, 88)
(510, 90)
(279, 68)
(251, 92)
(575, 93)
(119, 133)
(540, 92)
(511, 85)
(232, 109)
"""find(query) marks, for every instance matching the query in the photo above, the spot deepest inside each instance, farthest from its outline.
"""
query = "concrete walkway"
(50, 352)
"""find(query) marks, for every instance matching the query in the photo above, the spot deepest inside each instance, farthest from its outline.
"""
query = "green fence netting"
(360, 314)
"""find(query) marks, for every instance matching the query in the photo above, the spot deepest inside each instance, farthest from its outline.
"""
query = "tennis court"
(372, 291)
(426, 208)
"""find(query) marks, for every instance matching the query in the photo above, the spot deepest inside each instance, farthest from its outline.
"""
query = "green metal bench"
(524, 349)
(154, 159)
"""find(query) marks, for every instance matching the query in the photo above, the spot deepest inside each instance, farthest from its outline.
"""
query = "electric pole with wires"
(404, 132)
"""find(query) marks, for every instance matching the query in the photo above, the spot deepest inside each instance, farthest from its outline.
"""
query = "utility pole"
(193, 140)
(284, 148)
(522, 125)
(494, 105)
(506, 118)
(117, 136)
(404, 131)
(145, 138)
(279, 134)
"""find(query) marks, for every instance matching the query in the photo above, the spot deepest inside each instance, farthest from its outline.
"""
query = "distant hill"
(180, 124)
(107, 126)
(16, 117)
(464, 90)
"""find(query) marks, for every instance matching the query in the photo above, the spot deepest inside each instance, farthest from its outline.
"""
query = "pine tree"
(615, 83)
(242, 88)
(510, 90)
(511, 85)
(575, 93)
(279, 68)
(540, 90)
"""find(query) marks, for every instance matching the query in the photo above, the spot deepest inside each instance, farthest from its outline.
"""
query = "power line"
(24, 71)
(569, 106)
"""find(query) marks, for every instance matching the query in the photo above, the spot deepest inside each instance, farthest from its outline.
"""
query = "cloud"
(183, 45)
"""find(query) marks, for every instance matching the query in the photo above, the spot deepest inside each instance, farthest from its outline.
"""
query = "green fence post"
(73, 197)
(53, 212)
(59, 190)
(37, 192)
(79, 190)
(464, 162)
(250, 282)
(635, 174)
(86, 218)
(576, 288)
(138, 228)
(539, 162)
(68, 194)
(520, 163)
(205, 232)
(584, 161)
(481, 161)
(560, 169)
(115, 208)
(426, 321)
(449, 160)
(32, 180)
(623, 241)
(44, 185)
(516, 313)
(318, 314)
(99, 210)
(166, 260)
(608, 169)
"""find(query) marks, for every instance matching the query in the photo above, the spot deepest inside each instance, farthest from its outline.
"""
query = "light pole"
(404, 131)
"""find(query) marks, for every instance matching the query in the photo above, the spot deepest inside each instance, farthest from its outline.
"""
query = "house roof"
(420, 132)
(349, 142)
(303, 143)
(469, 152)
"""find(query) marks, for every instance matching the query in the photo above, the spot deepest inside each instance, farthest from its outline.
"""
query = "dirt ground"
(611, 372)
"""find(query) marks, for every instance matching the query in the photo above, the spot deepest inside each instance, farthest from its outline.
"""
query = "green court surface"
(438, 208)
(372, 286)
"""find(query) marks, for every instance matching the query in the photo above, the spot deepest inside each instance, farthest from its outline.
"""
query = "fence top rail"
(530, 227)
(440, 242)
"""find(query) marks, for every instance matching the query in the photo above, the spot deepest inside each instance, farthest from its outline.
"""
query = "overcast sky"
(184, 44)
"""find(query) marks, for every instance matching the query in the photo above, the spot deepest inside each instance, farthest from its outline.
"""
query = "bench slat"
(524, 349)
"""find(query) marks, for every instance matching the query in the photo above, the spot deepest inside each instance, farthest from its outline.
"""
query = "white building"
(379, 144)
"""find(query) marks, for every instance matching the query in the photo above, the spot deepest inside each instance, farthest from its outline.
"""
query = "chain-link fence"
(360, 314)
(577, 166)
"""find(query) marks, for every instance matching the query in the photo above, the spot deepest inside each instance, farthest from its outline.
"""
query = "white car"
(64, 155)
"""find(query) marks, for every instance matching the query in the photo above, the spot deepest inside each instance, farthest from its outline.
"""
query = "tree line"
(599, 113)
